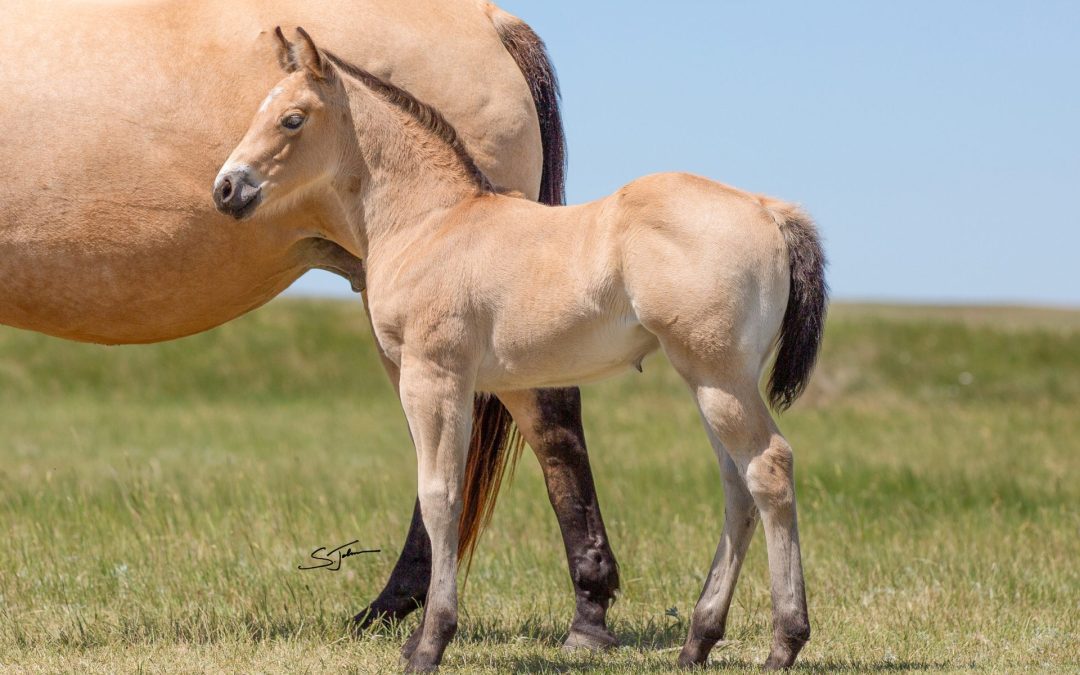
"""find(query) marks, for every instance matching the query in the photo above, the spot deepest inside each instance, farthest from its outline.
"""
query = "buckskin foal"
(718, 278)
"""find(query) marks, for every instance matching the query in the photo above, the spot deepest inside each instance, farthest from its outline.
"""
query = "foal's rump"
(703, 261)
(708, 269)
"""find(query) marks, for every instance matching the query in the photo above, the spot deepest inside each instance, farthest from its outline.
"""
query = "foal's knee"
(440, 507)
(769, 476)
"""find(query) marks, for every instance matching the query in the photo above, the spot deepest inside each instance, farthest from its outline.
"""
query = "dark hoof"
(782, 657)
(695, 653)
(594, 639)
(384, 614)
(410, 667)
(787, 643)
(369, 617)
(409, 648)
(423, 660)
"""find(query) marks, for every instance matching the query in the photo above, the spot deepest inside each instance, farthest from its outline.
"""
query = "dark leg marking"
(560, 447)
(407, 587)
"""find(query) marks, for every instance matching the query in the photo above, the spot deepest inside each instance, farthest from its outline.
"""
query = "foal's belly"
(586, 352)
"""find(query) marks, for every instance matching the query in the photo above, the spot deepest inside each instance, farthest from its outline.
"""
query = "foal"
(718, 278)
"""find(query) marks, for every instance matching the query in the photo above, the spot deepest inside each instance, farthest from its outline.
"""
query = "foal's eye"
(293, 122)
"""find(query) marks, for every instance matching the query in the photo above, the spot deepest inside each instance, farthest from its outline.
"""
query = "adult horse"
(117, 116)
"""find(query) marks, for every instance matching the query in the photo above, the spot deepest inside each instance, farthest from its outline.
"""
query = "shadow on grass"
(610, 662)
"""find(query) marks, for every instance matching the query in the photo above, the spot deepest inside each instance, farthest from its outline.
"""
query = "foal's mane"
(426, 116)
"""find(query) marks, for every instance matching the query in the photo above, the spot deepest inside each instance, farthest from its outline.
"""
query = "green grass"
(155, 503)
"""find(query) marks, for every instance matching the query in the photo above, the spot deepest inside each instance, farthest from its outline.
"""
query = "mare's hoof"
(594, 639)
(694, 656)
(369, 617)
(409, 648)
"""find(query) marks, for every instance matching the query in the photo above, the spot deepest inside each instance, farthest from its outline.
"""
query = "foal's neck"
(403, 173)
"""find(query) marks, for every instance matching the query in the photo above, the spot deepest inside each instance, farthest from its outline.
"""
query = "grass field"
(155, 503)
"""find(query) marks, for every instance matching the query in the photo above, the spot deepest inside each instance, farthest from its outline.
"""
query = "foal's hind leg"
(709, 621)
(740, 421)
(550, 422)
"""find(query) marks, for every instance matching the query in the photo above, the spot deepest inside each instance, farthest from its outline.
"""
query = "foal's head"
(298, 138)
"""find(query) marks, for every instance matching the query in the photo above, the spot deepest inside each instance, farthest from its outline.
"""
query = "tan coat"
(117, 115)
(474, 290)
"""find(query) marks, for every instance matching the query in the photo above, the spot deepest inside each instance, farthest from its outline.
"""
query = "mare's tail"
(495, 443)
(532, 58)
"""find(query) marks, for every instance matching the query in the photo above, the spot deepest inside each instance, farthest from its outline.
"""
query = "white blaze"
(269, 98)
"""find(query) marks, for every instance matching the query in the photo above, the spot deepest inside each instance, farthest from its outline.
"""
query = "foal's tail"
(804, 318)
(532, 58)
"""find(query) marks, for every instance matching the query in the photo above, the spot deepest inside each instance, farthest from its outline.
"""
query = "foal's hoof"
(787, 644)
(594, 639)
(781, 661)
(423, 660)
(783, 656)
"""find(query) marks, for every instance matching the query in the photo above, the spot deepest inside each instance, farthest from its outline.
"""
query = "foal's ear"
(307, 55)
(284, 51)
(300, 55)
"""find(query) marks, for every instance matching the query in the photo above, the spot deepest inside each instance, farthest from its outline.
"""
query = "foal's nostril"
(234, 195)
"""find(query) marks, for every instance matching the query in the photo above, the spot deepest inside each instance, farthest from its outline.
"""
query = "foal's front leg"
(438, 404)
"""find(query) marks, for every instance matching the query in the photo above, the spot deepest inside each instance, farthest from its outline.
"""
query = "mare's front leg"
(437, 400)
(550, 422)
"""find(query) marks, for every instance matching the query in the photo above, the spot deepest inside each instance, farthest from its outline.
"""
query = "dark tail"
(532, 58)
(495, 443)
(804, 318)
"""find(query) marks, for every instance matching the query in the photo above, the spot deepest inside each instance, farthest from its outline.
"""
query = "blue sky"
(936, 143)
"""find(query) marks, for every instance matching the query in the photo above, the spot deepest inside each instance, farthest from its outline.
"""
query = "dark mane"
(426, 116)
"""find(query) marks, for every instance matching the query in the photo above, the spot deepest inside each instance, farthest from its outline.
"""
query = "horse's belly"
(151, 284)
(585, 353)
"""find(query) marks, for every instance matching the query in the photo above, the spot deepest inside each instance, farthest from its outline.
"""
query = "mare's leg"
(407, 586)
(550, 422)
(438, 403)
(709, 621)
(738, 418)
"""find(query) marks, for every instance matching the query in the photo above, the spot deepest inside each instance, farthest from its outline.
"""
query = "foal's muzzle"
(235, 195)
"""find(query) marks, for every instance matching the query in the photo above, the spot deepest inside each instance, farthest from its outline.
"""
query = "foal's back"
(565, 295)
